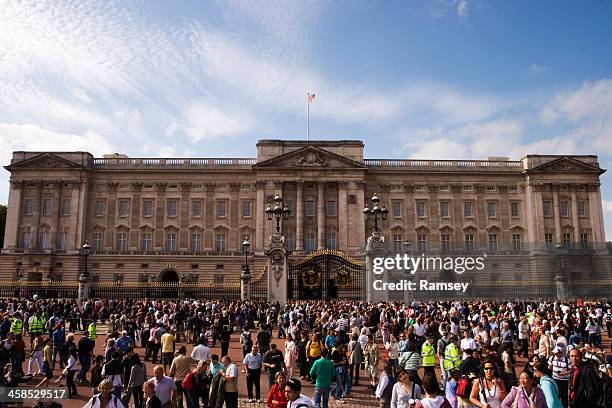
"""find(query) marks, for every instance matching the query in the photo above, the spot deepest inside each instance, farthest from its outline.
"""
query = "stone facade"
(172, 219)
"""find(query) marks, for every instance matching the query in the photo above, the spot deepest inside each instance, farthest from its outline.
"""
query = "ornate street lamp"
(278, 212)
(85, 249)
(246, 246)
(376, 211)
(245, 278)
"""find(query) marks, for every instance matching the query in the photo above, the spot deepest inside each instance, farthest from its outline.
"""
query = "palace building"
(184, 219)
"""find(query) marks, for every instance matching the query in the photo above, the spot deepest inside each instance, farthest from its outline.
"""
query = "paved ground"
(361, 396)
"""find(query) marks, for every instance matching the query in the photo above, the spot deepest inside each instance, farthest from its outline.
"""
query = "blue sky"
(438, 79)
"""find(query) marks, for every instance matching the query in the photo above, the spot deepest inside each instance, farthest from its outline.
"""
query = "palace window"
(171, 207)
(397, 208)
(100, 208)
(468, 188)
(421, 209)
(122, 241)
(124, 207)
(28, 206)
(47, 206)
(516, 242)
(246, 209)
(493, 242)
(96, 243)
(547, 209)
(44, 239)
(310, 242)
(469, 242)
(515, 209)
(445, 243)
(582, 211)
(66, 207)
(492, 209)
(170, 241)
(196, 242)
(26, 238)
(196, 208)
(221, 208)
(147, 241)
(331, 209)
(331, 240)
(63, 239)
(422, 243)
(290, 241)
(468, 209)
(565, 208)
(310, 208)
(549, 239)
(584, 240)
(147, 208)
(567, 240)
(397, 243)
(220, 242)
(444, 209)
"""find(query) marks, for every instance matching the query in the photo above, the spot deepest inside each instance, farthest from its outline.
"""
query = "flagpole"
(307, 118)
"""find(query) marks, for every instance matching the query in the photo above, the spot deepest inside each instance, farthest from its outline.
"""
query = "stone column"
(321, 216)
(111, 211)
(184, 215)
(81, 213)
(13, 215)
(343, 216)
(36, 210)
(360, 224)
(134, 222)
(375, 248)
(299, 216)
(160, 209)
(260, 216)
(557, 216)
(56, 213)
(575, 219)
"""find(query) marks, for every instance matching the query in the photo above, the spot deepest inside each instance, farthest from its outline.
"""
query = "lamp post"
(245, 277)
(376, 212)
(278, 212)
(84, 278)
(18, 275)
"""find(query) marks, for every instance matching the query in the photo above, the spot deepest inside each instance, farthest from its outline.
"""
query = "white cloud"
(462, 8)
(207, 121)
(536, 69)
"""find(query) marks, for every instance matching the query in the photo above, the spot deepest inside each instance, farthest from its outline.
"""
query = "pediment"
(310, 157)
(45, 161)
(566, 165)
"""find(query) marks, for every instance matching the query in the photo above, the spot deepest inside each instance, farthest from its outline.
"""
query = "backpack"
(189, 382)
(464, 387)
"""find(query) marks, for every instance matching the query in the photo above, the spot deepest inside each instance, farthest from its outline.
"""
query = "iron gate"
(326, 274)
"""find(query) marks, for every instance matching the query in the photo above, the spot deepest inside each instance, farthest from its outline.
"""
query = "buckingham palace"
(185, 220)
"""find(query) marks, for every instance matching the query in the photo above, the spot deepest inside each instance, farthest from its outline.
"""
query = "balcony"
(159, 163)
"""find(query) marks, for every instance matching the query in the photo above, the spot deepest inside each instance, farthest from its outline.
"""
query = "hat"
(557, 350)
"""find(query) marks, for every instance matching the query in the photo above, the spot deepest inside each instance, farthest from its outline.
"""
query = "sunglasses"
(489, 368)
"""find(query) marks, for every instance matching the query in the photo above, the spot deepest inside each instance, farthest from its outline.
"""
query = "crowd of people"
(420, 354)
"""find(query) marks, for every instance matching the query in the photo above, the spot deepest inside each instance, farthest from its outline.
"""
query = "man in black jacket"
(585, 385)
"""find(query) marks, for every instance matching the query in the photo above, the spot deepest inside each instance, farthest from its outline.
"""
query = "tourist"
(294, 398)
(253, 364)
(231, 383)
(488, 391)
(525, 395)
(404, 391)
(585, 386)
(431, 388)
(276, 396)
(273, 362)
(548, 386)
(165, 387)
(385, 387)
(150, 396)
(291, 355)
(370, 353)
(323, 371)
(106, 398)
(138, 377)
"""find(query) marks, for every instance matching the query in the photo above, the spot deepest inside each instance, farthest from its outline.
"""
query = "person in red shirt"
(276, 397)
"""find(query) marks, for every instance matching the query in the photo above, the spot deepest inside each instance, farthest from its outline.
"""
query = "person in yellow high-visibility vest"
(428, 355)
(452, 360)
(92, 330)
(17, 325)
(36, 325)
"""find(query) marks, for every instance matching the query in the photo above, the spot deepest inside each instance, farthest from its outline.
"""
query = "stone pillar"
(81, 214)
(36, 210)
(13, 215)
(134, 218)
(299, 216)
(56, 214)
(84, 288)
(343, 216)
(209, 215)
(184, 215)
(260, 216)
(360, 224)
(575, 219)
(321, 216)
(245, 284)
(557, 216)
(375, 247)
(111, 211)
(277, 270)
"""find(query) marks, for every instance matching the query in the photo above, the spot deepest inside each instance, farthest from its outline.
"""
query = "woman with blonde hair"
(105, 399)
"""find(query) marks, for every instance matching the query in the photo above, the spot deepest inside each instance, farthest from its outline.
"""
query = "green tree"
(609, 247)
(2, 223)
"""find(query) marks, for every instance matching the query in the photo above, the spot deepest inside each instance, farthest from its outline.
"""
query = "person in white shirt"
(201, 352)
(105, 398)
(294, 398)
(467, 343)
